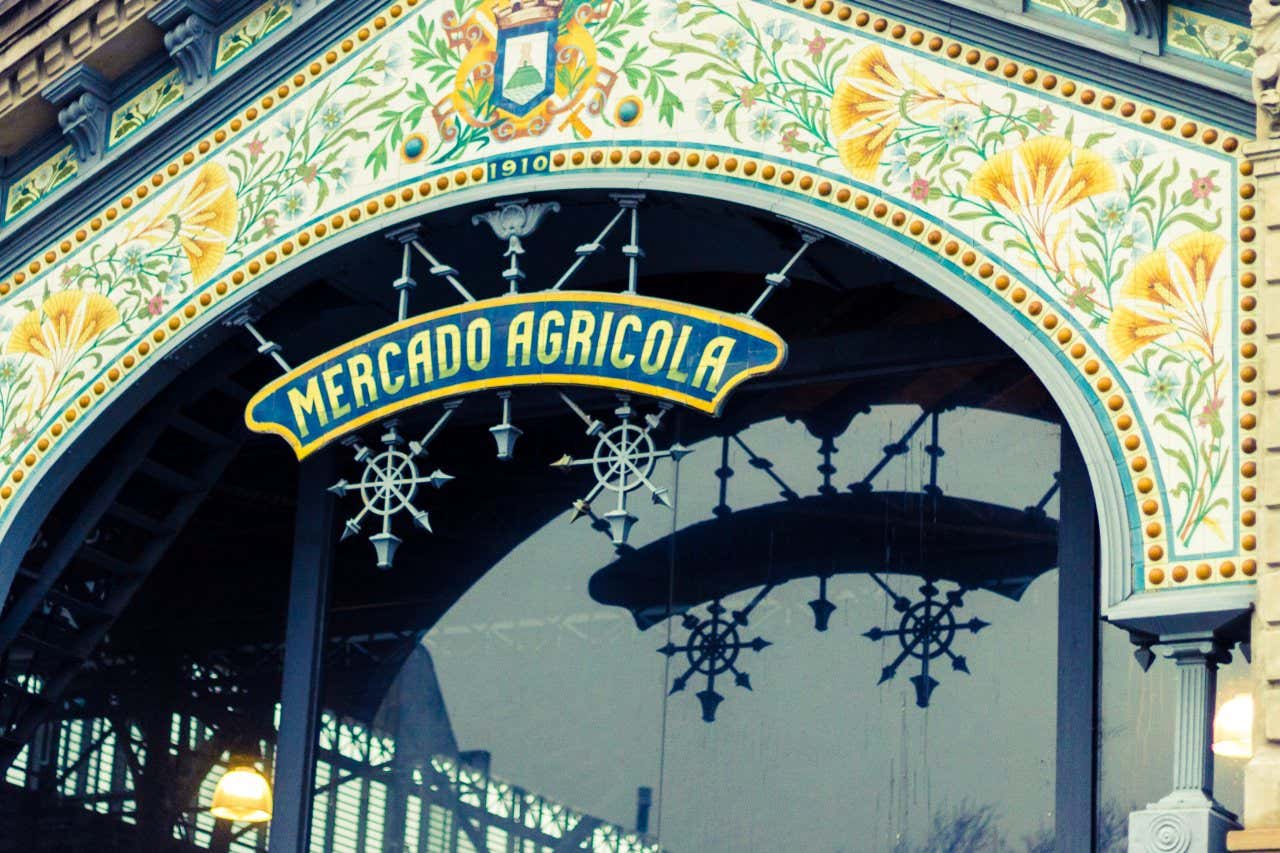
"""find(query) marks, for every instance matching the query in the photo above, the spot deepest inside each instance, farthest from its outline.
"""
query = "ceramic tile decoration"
(1222, 42)
(144, 106)
(250, 30)
(1110, 236)
(39, 182)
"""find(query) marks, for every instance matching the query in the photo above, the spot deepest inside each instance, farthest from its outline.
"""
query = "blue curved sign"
(670, 350)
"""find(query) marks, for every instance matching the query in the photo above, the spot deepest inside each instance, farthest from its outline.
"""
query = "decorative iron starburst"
(925, 632)
(624, 460)
(389, 484)
(712, 649)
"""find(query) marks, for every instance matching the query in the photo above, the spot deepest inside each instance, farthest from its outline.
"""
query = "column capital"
(1195, 649)
(1264, 155)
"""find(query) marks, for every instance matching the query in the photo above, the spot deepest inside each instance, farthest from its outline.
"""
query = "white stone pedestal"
(1181, 823)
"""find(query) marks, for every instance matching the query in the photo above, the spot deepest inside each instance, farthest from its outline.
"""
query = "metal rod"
(447, 272)
(588, 249)
(587, 419)
(267, 347)
(404, 291)
(779, 278)
(419, 447)
(632, 251)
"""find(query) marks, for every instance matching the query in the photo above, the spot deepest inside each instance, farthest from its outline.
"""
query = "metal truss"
(69, 593)
(367, 794)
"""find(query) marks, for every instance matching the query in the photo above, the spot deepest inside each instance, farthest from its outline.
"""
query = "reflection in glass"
(839, 635)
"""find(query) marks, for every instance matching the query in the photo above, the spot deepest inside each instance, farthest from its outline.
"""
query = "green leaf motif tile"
(39, 182)
(145, 106)
(251, 29)
(1106, 13)
(1205, 37)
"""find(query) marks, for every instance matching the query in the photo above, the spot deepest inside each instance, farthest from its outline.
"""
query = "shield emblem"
(525, 73)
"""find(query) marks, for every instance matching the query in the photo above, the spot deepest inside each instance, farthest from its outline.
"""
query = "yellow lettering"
(675, 374)
(334, 392)
(308, 403)
(520, 336)
(448, 349)
(649, 361)
(360, 368)
(479, 335)
(581, 324)
(549, 342)
(420, 358)
(602, 340)
(628, 323)
(385, 352)
(715, 357)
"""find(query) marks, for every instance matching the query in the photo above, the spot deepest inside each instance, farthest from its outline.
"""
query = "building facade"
(737, 425)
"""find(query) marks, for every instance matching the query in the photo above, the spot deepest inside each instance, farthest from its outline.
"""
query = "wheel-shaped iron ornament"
(713, 649)
(623, 460)
(388, 486)
(926, 631)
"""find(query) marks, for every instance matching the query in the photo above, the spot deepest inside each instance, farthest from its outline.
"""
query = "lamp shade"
(243, 794)
(1233, 727)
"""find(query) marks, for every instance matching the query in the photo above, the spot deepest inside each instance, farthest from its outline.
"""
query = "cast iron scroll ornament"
(624, 460)
(925, 632)
(713, 648)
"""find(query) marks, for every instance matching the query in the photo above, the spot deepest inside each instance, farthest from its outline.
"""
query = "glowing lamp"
(1233, 727)
(243, 794)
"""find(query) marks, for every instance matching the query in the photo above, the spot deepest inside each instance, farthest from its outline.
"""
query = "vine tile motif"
(1206, 37)
(1099, 219)
(39, 182)
(144, 106)
(1107, 13)
(251, 29)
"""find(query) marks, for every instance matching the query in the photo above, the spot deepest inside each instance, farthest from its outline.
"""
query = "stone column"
(1188, 819)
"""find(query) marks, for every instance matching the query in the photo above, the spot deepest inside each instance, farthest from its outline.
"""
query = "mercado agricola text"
(668, 349)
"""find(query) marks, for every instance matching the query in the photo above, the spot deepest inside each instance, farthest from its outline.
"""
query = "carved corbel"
(83, 98)
(189, 36)
(1146, 22)
(1265, 20)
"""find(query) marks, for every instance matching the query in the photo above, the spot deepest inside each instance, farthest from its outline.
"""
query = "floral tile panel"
(1123, 231)
(144, 106)
(39, 182)
(1105, 13)
(1222, 42)
(250, 30)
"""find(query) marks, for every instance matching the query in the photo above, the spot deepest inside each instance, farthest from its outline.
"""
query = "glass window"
(833, 628)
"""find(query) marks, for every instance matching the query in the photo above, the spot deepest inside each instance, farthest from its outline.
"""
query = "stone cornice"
(44, 53)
